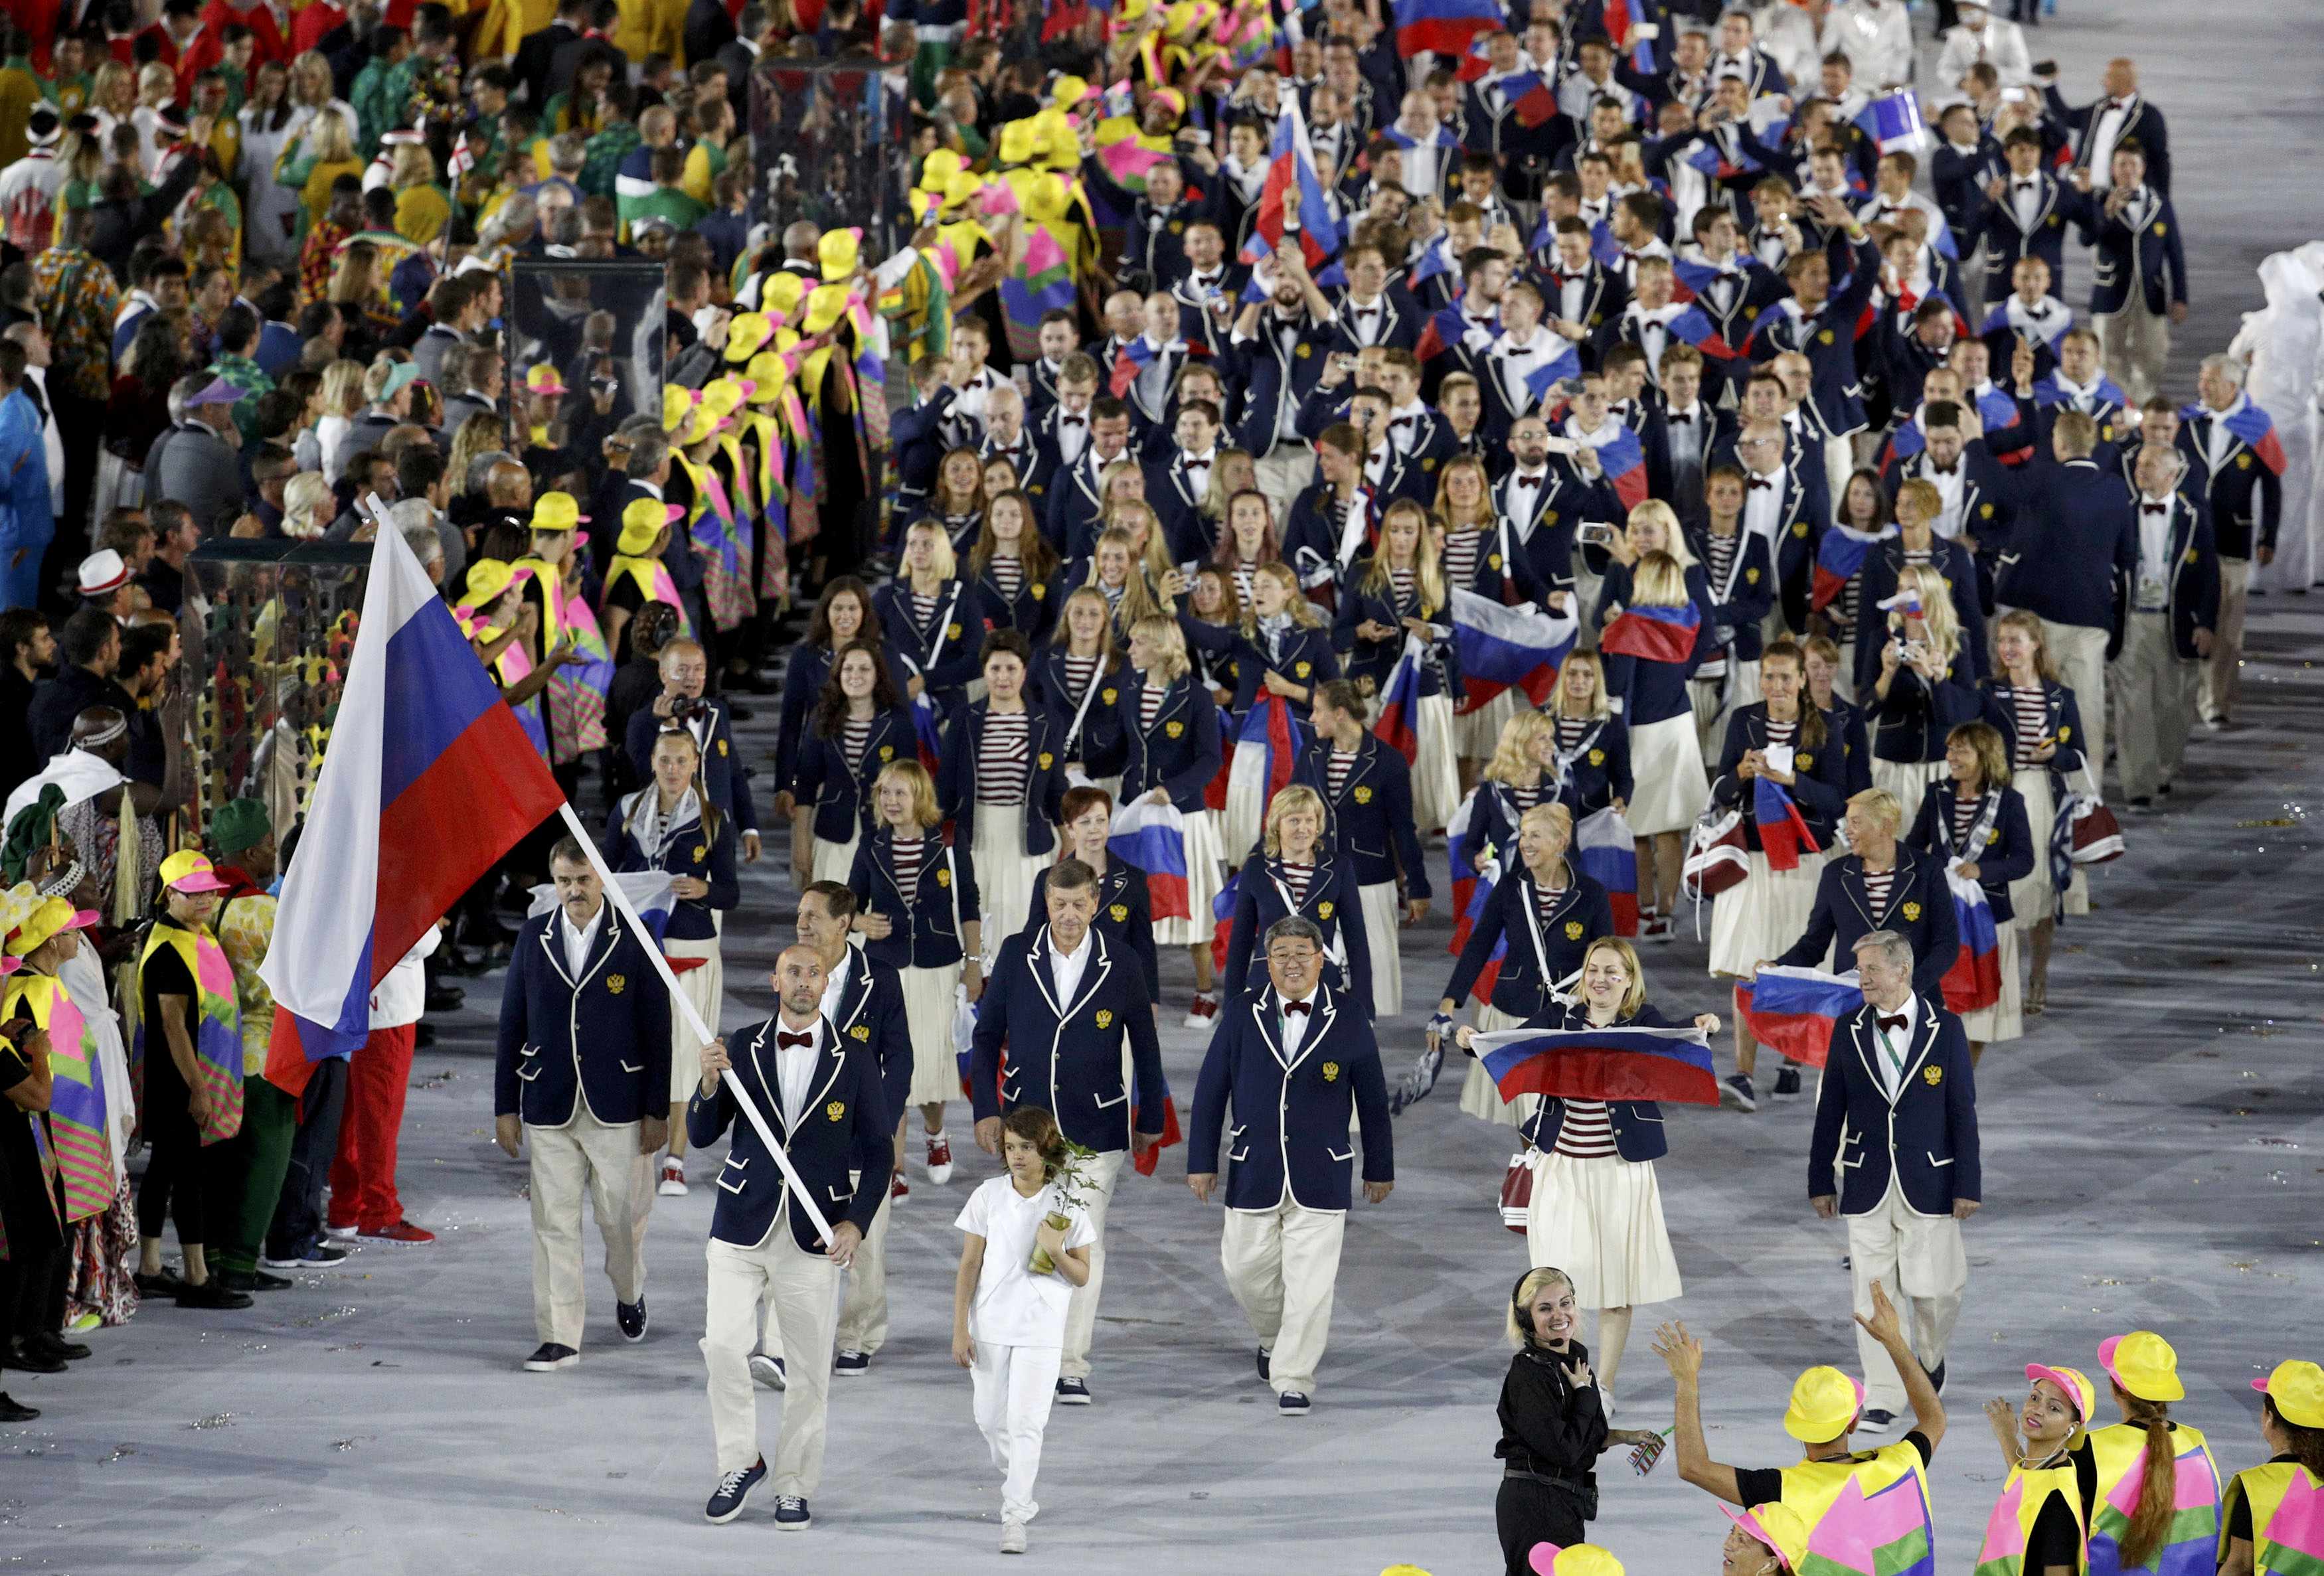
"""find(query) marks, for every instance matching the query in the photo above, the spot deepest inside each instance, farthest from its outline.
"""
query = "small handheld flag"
(1657, 635)
(1153, 838)
(1793, 1010)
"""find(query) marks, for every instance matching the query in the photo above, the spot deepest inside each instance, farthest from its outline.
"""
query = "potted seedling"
(1073, 1184)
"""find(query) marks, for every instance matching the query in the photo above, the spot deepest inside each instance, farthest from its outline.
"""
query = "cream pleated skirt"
(1670, 786)
(1476, 735)
(706, 987)
(1381, 913)
(1480, 1095)
(1909, 780)
(1005, 873)
(832, 861)
(2032, 896)
(1204, 878)
(1436, 773)
(1715, 701)
(1601, 1221)
(927, 1014)
(1764, 914)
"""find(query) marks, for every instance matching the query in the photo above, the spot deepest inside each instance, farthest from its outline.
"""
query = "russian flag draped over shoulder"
(1508, 648)
(1607, 851)
(1618, 1061)
(1447, 27)
(430, 780)
(1784, 834)
(1270, 741)
(2251, 424)
(1794, 1009)
(1839, 557)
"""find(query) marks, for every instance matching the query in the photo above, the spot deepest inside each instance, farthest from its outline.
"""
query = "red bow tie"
(1299, 1007)
(2154, 509)
(1891, 1023)
(1758, 482)
(784, 1040)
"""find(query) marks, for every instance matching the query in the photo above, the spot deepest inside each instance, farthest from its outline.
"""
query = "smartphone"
(1562, 446)
(1596, 533)
(1343, 362)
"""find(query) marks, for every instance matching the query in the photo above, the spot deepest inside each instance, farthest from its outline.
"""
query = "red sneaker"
(939, 1159)
(402, 1231)
(899, 1190)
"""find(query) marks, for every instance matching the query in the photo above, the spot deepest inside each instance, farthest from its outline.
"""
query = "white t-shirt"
(1013, 1306)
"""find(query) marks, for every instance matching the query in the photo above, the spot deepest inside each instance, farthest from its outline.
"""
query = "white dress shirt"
(1763, 507)
(579, 944)
(1404, 426)
(1066, 968)
(2153, 593)
(1893, 1057)
(1366, 320)
(794, 1066)
(836, 982)
(1296, 1025)
(2220, 440)
(2111, 120)
(1525, 496)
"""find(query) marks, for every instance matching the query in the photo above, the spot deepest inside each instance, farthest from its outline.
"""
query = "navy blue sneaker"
(548, 1357)
(1073, 1393)
(1263, 1375)
(853, 1364)
(734, 1491)
(1291, 1403)
(767, 1372)
(1937, 1377)
(631, 1318)
(1875, 1422)
(1787, 1083)
(790, 1515)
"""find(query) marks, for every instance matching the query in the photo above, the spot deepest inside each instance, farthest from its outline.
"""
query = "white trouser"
(1282, 1265)
(1920, 1261)
(863, 1307)
(584, 1156)
(1081, 1313)
(1381, 913)
(803, 1289)
(2135, 343)
(2152, 690)
(2222, 680)
(1283, 472)
(2080, 652)
(1014, 1388)
(1838, 464)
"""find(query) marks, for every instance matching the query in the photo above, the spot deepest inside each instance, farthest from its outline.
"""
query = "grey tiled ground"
(2154, 1154)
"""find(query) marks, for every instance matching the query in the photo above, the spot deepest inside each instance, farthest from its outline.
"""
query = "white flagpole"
(680, 1003)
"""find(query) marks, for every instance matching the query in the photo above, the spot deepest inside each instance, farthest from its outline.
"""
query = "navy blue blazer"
(928, 930)
(1263, 367)
(840, 792)
(2144, 125)
(1289, 1142)
(1751, 592)
(1070, 516)
(1312, 532)
(1818, 775)
(1827, 338)
(544, 1066)
(1541, 951)
(1883, 570)
(2147, 259)
(1637, 1124)
(1049, 684)
(1177, 504)
(1369, 662)
(1920, 907)
(1030, 613)
(1372, 828)
(1544, 544)
(2244, 496)
(1599, 772)
(684, 852)
(723, 771)
(1305, 658)
(1654, 691)
(1066, 1055)
(1044, 774)
(1333, 904)
(1847, 727)
(2064, 724)
(1925, 1138)
(2072, 545)
(1125, 914)
(2055, 205)
(842, 1145)
(1910, 724)
(917, 436)
(2006, 854)
(803, 675)
(869, 1011)
(944, 652)
(1181, 750)
(1493, 819)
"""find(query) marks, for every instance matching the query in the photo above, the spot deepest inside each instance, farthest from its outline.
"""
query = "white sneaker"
(939, 1158)
(1203, 1013)
(340, 1234)
(673, 1178)
(1013, 1537)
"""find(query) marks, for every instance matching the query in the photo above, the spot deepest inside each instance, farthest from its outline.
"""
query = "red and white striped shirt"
(854, 738)
(1587, 1133)
(911, 854)
(1463, 551)
(2031, 710)
(1004, 758)
(1007, 576)
(1336, 767)
(1876, 887)
(1150, 701)
(1297, 879)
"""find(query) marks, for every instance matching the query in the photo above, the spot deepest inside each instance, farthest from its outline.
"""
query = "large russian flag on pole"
(1658, 634)
(1292, 202)
(430, 780)
(1153, 838)
(1619, 1062)
(1793, 1010)
(1974, 981)
(1447, 27)
(1508, 648)
(1607, 851)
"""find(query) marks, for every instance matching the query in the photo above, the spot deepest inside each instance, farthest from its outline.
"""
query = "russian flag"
(428, 781)
(1998, 410)
(1464, 869)
(1974, 980)
(1270, 743)
(1508, 648)
(1793, 1010)
(1138, 356)
(1839, 557)
(1618, 1061)
(1906, 601)
(1565, 364)
(1222, 913)
(1446, 329)
(1618, 22)
(1624, 463)
(1657, 634)
(1153, 1111)
(1999, 319)
(1480, 893)
(1893, 121)
(1291, 168)
(1694, 325)
(650, 893)
(1607, 852)
(2047, 393)
(1433, 264)
(2251, 424)
(1784, 834)
(925, 731)
(1715, 159)
(1529, 98)
(1446, 27)
(1153, 838)
(1400, 703)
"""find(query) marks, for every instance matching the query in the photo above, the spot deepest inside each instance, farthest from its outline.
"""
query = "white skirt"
(706, 987)
(1715, 700)
(1203, 882)
(928, 1015)
(1669, 786)
(1381, 913)
(1005, 874)
(1909, 780)
(2031, 896)
(2004, 1020)
(1761, 917)
(1435, 774)
(1601, 1221)
(832, 861)
(1480, 1095)
(118, 486)
(1478, 734)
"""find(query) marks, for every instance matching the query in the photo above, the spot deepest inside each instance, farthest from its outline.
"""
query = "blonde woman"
(1671, 786)
(930, 617)
(1397, 597)
(112, 99)
(1521, 774)
(2041, 726)
(1593, 745)
(309, 507)
(1000, 780)
(918, 912)
(1475, 554)
(421, 207)
(1075, 678)
(157, 89)
(1976, 825)
(1282, 648)
(1168, 734)
(322, 150)
(341, 399)
(1294, 875)
(1922, 690)
(1596, 1209)
(1113, 572)
(311, 97)
(1150, 547)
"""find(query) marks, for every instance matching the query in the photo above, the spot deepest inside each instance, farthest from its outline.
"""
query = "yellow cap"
(960, 188)
(641, 522)
(487, 579)
(40, 918)
(825, 307)
(189, 870)
(745, 334)
(1824, 1405)
(544, 379)
(839, 252)
(2142, 1363)
(1573, 1560)
(1046, 198)
(2073, 1384)
(768, 373)
(1777, 1526)
(939, 168)
(1018, 140)
(779, 298)
(2297, 1388)
(723, 396)
(557, 511)
(1067, 92)
(677, 403)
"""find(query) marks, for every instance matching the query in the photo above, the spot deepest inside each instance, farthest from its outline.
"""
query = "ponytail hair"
(2158, 1490)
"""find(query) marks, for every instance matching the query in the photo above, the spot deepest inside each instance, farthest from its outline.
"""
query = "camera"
(685, 708)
